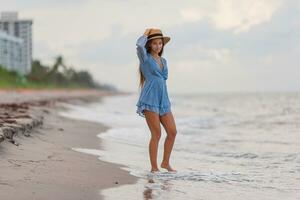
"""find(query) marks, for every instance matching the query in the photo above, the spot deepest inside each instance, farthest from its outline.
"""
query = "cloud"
(36, 4)
(235, 15)
(115, 49)
(241, 15)
(215, 45)
(191, 15)
(251, 60)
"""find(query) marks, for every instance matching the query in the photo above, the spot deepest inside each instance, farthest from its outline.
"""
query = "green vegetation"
(11, 79)
(41, 76)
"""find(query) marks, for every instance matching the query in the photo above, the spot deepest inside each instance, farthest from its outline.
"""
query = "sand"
(43, 165)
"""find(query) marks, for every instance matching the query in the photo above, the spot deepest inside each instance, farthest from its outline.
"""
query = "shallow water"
(229, 146)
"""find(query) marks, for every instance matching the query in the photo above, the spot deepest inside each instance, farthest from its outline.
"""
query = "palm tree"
(58, 62)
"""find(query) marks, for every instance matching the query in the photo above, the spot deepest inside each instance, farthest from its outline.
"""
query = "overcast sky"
(216, 45)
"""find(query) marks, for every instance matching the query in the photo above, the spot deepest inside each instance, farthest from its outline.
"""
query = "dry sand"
(43, 165)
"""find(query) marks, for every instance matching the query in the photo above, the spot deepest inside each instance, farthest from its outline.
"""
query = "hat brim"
(166, 39)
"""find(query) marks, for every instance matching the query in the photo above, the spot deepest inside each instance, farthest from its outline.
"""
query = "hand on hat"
(147, 31)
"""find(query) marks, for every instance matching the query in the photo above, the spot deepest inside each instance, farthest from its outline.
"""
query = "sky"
(215, 46)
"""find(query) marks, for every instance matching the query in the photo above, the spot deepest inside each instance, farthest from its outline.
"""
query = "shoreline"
(42, 164)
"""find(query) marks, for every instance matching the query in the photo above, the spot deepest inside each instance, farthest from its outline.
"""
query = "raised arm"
(141, 49)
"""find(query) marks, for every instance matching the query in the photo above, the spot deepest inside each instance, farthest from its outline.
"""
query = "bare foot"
(153, 170)
(168, 167)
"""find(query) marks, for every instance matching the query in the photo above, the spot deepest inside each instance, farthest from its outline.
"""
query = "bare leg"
(168, 122)
(153, 122)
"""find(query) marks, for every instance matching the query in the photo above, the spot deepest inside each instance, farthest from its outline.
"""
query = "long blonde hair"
(148, 48)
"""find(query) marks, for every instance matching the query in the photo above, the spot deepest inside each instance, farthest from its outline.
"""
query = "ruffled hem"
(142, 106)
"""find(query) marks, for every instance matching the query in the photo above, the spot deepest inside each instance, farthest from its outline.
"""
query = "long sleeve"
(141, 50)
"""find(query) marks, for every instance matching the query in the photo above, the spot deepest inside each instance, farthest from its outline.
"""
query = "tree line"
(61, 75)
(52, 76)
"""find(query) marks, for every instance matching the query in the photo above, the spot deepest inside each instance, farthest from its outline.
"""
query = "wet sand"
(43, 165)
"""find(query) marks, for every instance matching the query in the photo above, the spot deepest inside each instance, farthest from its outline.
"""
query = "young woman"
(153, 103)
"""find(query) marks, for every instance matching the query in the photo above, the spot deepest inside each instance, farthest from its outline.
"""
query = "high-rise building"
(11, 52)
(19, 28)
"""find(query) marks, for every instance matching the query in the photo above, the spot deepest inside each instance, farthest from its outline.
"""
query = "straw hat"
(156, 33)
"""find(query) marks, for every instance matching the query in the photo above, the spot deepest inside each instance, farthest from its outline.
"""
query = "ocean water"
(229, 146)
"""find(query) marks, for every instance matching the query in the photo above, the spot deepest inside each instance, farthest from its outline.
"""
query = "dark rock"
(9, 121)
(1, 136)
(8, 132)
(22, 116)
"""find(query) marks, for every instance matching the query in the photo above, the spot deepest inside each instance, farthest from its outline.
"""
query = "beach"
(39, 163)
(92, 145)
(221, 151)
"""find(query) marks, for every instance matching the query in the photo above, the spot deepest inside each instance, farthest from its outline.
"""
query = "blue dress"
(154, 94)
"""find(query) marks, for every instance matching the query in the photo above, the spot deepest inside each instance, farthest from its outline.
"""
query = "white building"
(19, 28)
(11, 52)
